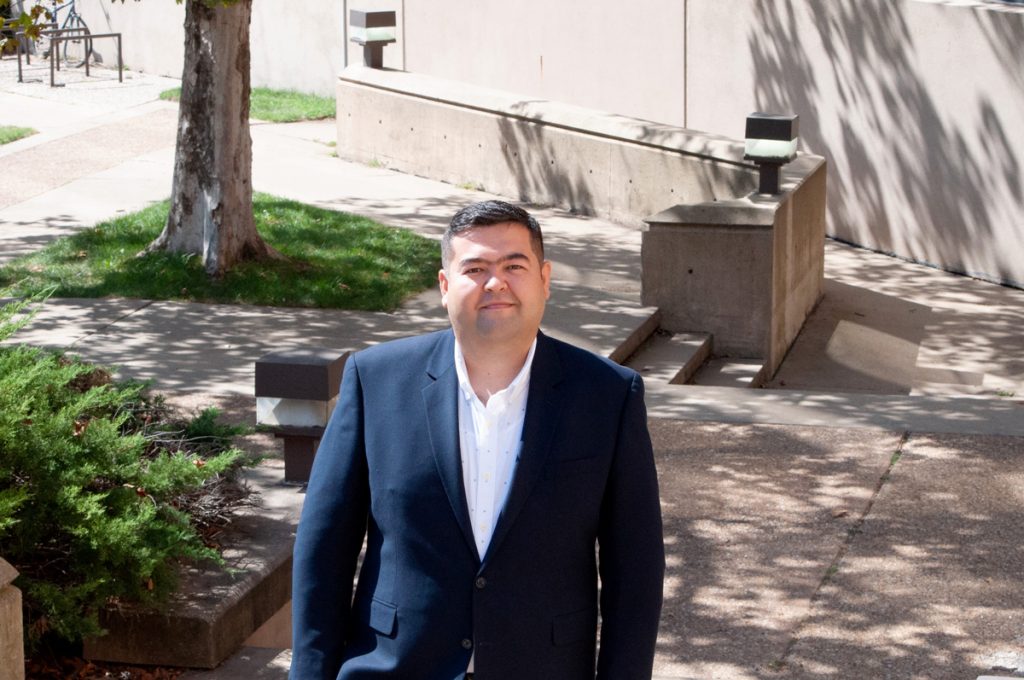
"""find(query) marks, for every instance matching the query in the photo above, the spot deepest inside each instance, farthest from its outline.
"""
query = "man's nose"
(496, 281)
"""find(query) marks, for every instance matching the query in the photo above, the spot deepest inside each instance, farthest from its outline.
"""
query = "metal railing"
(58, 35)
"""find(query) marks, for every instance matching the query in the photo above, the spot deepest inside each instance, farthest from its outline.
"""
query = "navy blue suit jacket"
(388, 470)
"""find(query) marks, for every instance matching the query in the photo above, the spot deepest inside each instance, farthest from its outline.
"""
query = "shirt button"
(467, 644)
(481, 582)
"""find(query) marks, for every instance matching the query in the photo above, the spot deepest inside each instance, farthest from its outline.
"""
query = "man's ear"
(442, 281)
(545, 275)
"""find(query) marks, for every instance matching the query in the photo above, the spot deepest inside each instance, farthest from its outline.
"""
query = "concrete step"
(217, 609)
(249, 663)
(670, 358)
(635, 331)
(730, 372)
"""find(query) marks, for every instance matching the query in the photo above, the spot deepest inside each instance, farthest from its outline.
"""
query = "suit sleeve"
(329, 538)
(631, 550)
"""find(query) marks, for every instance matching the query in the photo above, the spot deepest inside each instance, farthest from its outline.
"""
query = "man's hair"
(486, 213)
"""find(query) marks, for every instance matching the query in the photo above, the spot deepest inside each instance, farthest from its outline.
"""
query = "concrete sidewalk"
(864, 524)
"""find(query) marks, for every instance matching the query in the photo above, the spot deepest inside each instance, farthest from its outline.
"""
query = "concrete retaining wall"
(586, 161)
(12, 646)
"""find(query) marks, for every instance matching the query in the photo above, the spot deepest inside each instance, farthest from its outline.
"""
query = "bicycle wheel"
(79, 48)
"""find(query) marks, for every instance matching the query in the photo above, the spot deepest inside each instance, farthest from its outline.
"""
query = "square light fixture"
(372, 30)
(771, 141)
(296, 392)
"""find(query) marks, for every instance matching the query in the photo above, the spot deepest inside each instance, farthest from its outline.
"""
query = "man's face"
(494, 287)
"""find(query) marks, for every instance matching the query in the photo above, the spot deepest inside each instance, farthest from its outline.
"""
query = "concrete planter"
(12, 646)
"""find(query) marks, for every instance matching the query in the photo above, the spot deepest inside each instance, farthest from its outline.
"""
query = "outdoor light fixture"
(771, 143)
(372, 30)
(296, 391)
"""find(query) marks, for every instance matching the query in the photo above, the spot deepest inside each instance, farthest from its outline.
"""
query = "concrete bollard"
(12, 646)
(296, 391)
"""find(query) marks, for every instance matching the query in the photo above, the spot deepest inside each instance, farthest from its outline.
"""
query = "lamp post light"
(372, 30)
(296, 390)
(771, 140)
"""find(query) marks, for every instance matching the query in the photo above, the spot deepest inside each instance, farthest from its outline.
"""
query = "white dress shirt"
(489, 442)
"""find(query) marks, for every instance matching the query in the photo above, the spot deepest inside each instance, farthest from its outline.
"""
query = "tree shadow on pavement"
(783, 561)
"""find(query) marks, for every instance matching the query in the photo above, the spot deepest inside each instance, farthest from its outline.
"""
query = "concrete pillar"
(748, 271)
(12, 646)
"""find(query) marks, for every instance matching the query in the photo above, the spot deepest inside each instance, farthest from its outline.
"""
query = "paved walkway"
(864, 524)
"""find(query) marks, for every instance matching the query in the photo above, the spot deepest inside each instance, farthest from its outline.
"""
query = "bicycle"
(74, 24)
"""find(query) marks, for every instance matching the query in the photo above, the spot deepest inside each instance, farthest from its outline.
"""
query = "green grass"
(335, 260)
(278, 106)
(11, 133)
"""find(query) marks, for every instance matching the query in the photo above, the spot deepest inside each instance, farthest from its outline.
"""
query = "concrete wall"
(608, 55)
(295, 46)
(917, 105)
(12, 646)
(586, 161)
(798, 264)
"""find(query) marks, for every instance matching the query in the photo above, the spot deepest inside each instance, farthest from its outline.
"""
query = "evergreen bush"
(94, 487)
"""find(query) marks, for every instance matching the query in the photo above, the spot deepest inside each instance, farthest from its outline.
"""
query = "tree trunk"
(211, 196)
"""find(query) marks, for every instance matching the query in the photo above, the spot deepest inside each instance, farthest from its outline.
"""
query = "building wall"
(295, 46)
(914, 102)
(624, 57)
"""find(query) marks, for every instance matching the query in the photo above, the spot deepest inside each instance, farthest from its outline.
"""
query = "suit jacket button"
(467, 644)
(481, 582)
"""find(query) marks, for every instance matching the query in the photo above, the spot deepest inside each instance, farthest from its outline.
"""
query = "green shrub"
(94, 487)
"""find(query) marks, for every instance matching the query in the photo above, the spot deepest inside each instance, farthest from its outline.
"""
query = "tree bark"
(211, 195)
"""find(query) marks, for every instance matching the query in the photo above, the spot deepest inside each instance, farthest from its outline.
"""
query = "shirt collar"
(514, 387)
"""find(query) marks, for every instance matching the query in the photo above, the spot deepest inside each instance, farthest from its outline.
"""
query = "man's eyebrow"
(483, 260)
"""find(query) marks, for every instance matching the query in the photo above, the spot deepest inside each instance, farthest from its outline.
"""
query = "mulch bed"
(74, 668)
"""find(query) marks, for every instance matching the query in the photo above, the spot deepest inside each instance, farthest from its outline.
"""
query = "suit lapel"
(543, 411)
(439, 398)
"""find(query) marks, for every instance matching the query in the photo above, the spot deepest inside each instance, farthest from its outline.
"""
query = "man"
(483, 465)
